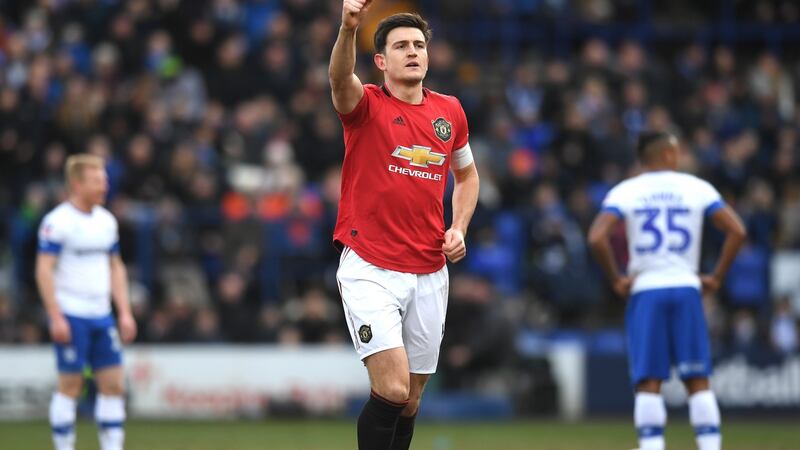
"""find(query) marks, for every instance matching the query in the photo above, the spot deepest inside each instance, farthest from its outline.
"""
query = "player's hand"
(127, 328)
(59, 330)
(454, 247)
(353, 12)
(710, 283)
(622, 286)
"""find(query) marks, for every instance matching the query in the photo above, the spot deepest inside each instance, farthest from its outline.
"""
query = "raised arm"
(346, 88)
(726, 220)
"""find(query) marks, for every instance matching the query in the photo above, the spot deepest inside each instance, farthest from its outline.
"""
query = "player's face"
(405, 59)
(92, 187)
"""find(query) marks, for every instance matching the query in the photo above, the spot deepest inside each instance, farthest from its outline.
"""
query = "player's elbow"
(337, 80)
(43, 281)
(597, 238)
(738, 233)
(332, 79)
(467, 175)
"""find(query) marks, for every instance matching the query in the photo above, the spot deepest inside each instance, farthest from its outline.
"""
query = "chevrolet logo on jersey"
(419, 156)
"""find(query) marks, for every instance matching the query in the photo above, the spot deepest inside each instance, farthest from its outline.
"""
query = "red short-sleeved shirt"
(396, 160)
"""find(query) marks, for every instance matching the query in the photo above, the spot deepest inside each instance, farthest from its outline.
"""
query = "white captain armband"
(462, 157)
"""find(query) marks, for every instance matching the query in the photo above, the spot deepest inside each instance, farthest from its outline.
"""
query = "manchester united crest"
(443, 129)
(365, 333)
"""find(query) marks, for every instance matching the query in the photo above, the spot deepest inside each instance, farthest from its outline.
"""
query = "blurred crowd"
(223, 154)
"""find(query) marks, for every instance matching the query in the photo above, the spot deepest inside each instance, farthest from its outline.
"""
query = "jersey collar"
(389, 94)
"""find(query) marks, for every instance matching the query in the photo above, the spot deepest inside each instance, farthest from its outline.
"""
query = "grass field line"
(616, 434)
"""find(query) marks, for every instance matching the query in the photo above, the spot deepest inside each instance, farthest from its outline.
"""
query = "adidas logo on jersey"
(399, 121)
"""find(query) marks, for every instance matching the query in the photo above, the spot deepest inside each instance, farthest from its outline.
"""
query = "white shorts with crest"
(388, 309)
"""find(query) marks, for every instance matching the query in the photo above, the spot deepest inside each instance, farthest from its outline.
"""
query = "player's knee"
(395, 391)
(111, 388)
(651, 385)
(70, 386)
(70, 391)
(412, 407)
(694, 385)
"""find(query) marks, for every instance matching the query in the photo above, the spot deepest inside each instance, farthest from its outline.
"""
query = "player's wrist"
(347, 30)
(55, 314)
(461, 229)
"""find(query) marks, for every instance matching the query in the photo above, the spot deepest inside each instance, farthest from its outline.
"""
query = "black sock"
(377, 422)
(403, 433)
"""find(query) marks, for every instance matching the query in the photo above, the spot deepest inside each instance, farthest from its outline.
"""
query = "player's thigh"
(388, 374)
(72, 357)
(371, 305)
(110, 380)
(647, 336)
(105, 350)
(424, 322)
(689, 334)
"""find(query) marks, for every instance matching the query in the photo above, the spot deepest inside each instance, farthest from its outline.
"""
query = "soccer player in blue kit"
(78, 271)
(663, 211)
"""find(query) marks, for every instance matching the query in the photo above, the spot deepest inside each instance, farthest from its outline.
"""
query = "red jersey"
(396, 161)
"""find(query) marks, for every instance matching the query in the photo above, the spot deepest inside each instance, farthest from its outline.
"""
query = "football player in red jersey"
(400, 142)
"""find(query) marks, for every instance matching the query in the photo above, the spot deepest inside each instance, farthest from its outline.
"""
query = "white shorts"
(388, 309)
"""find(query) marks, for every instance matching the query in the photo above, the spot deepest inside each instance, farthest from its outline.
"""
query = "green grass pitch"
(340, 435)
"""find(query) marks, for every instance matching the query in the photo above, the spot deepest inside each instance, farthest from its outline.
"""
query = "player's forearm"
(47, 290)
(465, 199)
(343, 58)
(601, 249)
(119, 289)
(730, 223)
(733, 243)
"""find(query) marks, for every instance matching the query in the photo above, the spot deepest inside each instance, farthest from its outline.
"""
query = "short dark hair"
(412, 20)
(647, 140)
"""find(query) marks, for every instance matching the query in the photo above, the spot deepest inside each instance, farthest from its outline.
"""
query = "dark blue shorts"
(95, 342)
(666, 327)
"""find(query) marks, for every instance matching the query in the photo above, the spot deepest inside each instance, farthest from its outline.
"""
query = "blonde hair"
(76, 164)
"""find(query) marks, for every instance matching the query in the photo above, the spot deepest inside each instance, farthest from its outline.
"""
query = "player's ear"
(380, 61)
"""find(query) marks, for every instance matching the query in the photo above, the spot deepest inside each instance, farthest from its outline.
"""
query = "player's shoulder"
(62, 211)
(373, 90)
(626, 185)
(105, 214)
(438, 97)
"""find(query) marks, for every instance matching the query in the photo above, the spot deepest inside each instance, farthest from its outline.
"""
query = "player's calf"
(705, 418)
(110, 408)
(62, 421)
(110, 418)
(377, 422)
(390, 381)
(650, 417)
(62, 410)
(404, 431)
